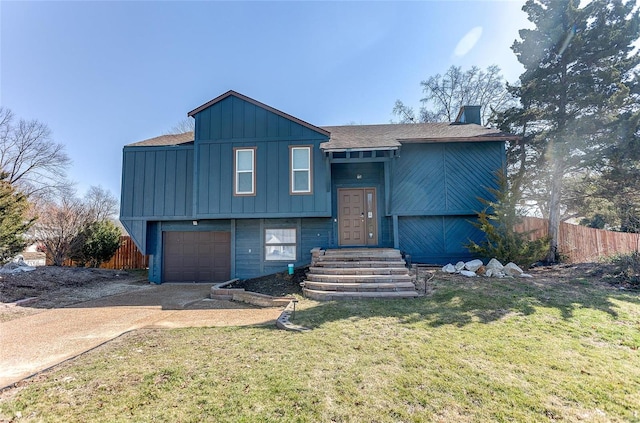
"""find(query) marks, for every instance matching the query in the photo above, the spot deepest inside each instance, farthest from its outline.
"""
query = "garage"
(196, 256)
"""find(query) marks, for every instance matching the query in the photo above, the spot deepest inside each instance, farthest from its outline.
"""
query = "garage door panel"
(196, 256)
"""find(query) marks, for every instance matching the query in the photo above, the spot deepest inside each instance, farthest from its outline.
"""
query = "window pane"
(245, 182)
(281, 252)
(244, 160)
(301, 181)
(280, 236)
(300, 158)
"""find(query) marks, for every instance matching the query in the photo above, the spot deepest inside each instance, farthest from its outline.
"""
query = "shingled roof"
(165, 140)
(375, 137)
(391, 136)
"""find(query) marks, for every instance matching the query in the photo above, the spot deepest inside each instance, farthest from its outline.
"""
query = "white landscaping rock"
(512, 269)
(473, 265)
(494, 273)
(525, 275)
(468, 273)
(459, 265)
(449, 268)
(494, 264)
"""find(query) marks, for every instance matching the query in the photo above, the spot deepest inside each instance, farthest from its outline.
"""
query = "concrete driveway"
(34, 343)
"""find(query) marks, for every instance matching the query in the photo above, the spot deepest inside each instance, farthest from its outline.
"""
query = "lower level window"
(280, 244)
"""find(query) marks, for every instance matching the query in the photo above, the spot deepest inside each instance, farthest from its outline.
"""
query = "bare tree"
(445, 94)
(101, 204)
(185, 125)
(61, 220)
(58, 224)
(34, 162)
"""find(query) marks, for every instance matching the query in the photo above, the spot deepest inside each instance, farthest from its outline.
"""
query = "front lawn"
(473, 350)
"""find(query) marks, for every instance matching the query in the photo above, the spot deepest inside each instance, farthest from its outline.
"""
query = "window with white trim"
(280, 244)
(245, 165)
(300, 170)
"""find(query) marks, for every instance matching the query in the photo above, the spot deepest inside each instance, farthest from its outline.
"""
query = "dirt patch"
(53, 287)
(600, 274)
(277, 285)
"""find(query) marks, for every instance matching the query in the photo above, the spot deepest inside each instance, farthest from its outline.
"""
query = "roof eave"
(344, 149)
(462, 139)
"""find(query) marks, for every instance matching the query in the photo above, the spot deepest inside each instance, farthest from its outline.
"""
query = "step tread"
(360, 263)
(329, 295)
(324, 270)
(358, 278)
(357, 287)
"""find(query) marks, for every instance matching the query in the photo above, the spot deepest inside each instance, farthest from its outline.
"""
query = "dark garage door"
(196, 256)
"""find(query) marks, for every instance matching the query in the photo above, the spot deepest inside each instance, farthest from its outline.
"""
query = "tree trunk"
(554, 208)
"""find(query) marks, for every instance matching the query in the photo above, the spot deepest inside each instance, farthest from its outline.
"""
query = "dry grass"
(502, 350)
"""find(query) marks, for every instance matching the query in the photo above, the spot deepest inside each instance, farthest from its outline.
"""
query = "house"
(254, 189)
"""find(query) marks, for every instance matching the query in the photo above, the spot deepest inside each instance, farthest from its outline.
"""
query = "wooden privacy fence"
(127, 257)
(579, 244)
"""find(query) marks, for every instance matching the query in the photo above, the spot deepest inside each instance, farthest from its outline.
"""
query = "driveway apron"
(34, 343)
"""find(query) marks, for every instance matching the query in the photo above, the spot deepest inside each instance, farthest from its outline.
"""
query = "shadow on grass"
(459, 303)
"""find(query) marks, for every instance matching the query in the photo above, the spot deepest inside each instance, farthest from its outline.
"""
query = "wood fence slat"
(579, 244)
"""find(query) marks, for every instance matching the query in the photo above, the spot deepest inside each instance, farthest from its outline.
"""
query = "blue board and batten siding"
(435, 196)
(236, 123)
(157, 184)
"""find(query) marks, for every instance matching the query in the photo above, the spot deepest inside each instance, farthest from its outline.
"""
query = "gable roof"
(258, 104)
(165, 140)
(391, 136)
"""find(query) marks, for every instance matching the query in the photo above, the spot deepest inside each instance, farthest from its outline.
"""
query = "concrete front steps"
(358, 273)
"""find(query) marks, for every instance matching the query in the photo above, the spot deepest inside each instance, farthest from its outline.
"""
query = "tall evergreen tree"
(580, 77)
(13, 219)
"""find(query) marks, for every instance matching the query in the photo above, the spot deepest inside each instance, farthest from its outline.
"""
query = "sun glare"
(467, 42)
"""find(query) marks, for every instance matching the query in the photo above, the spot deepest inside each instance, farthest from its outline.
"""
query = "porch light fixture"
(195, 223)
(359, 176)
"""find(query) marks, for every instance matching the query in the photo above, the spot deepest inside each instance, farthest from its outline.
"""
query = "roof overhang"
(506, 137)
(341, 150)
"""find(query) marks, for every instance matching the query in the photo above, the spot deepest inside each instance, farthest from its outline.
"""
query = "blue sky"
(105, 74)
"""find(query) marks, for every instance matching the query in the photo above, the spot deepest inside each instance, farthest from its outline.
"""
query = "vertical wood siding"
(234, 122)
(157, 182)
(234, 118)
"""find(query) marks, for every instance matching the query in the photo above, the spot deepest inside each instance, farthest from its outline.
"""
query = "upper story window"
(300, 170)
(245, 171)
